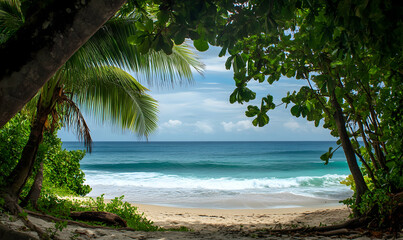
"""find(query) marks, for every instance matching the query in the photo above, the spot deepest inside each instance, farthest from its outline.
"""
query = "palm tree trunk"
(20, 174)
(361, 186)
(36, 188)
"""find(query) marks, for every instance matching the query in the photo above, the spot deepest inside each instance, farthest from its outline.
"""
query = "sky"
(201, 111)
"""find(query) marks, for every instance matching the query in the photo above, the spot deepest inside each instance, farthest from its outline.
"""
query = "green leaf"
(255, 122)
(222, 52)
(144, 47)
(262, 119)
(180, 37)
(327, 156)
(149, 25)
(163, 17)
(140, 26)
(232, 97)
(252, 111)
(309, 105)
(296, 110)
(228, 62)
(240, 63)
(246, 94)
(201, 44)
(132, 40)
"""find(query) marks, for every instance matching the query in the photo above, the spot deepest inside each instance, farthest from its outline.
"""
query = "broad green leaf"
(180, 37)
(223, 51)
(252, 111)
(228, 63)
(232, 97)
(262, 119)
(295, 110)
(201, 44)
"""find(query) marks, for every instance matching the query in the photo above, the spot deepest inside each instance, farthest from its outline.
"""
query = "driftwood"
(105, 217)
(349, 224)
(71, 222)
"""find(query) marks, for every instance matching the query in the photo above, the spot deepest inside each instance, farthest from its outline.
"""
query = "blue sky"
(201, 112)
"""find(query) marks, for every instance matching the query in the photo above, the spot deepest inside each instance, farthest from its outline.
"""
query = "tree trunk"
(20, 174)
(36, 188)
(361, 186)
(48, 38)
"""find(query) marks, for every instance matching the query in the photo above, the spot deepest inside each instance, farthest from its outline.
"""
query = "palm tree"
(96, 78)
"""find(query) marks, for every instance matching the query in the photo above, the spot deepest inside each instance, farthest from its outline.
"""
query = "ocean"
(221, 175)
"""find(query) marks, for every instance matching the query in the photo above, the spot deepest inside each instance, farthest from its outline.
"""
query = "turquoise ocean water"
(216, 174)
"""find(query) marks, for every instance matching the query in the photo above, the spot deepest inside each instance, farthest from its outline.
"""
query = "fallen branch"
(71, 222)
(341, 231)
(349, 224)
(104, 217)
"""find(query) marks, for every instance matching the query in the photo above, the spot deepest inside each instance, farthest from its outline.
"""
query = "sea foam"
(158, 180)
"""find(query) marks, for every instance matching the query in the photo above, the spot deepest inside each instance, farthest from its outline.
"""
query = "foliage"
(96, 79)
(348, 53)
(13, 136)
(61, 208)
(62, 171)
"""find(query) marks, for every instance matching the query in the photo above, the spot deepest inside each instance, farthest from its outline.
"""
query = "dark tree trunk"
(36, 188)
(20, 174)
(361, 186)
(49, 37)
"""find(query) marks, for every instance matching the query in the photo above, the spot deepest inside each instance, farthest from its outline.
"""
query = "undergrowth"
(52, 205)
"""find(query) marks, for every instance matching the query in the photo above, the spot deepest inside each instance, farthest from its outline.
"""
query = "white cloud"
(209, 88)
(215, 64)
(203, 127)
(238, 126)
(295, 126)
(221, 106)
(292, 125)
(171, 124)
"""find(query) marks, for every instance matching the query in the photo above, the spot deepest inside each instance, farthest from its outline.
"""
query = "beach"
(199, 219)
(207, 223)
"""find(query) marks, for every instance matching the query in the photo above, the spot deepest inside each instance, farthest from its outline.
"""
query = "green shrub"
(62, 173)
(61, 208)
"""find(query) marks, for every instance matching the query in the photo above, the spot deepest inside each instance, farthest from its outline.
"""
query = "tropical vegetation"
(348, 53)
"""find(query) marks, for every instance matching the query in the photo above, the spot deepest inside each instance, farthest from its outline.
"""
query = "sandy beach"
(205, 223)
(199, 219)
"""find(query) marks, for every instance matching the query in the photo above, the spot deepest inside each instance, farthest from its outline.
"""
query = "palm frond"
(73, 118)
(109, 46)
(111, 94)
(11, 18)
